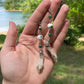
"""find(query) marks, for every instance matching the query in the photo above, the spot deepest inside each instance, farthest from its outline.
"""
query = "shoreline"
(11, 10)
(3, 33)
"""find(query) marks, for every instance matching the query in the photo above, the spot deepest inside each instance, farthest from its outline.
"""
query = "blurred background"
(70, 66)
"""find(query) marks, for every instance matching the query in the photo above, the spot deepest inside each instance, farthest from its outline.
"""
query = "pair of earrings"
(47, 44)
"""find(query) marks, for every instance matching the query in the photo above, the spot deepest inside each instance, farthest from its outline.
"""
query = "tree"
(29, 6)
(76, 17)
(13, 4)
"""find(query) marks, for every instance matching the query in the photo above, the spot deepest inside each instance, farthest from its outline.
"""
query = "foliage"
(30, 5)
(76, 13)
(79, 44)
(76, 17)
(13, 4)
(2, 38)
(1, 3)
(72, 36)
(20, 28)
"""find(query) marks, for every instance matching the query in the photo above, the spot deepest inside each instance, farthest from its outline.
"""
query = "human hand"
(18, 62)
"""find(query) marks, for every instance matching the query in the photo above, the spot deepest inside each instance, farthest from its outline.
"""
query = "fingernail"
(10, 23)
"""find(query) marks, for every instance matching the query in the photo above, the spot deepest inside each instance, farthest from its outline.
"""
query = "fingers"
(60, 18)
(53, 8)
(11, 36)
(61, 36)
(58, 23)
(32, 24)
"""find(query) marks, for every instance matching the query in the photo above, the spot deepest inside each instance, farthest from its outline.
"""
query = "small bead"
(40, 37)
(40, 28)
(40, 46)
(41, 53)
(49, 10)
(49, 34)
(47, 43)
(50, 16)
(50, 25)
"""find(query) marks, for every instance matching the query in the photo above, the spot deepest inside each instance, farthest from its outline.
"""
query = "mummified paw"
(40, 65)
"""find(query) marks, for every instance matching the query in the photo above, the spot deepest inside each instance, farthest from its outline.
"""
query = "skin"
(19, 61)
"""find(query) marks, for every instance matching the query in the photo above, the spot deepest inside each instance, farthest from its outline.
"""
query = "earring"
(47, 43)
(41, 60)
(50, 27)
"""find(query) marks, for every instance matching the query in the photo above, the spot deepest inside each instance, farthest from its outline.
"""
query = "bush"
(72, 36)
(79, 44)
(20, 28)
(2, 38)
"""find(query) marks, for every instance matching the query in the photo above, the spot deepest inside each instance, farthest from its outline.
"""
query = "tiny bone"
(54, 56)
(40, 64)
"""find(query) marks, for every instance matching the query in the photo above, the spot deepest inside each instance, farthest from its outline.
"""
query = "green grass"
(70, 66)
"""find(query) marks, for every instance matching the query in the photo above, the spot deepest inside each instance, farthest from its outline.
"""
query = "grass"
(70, 66)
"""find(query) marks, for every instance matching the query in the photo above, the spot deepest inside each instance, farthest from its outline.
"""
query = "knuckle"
(46, 4)
(58, 1)
(67, 22)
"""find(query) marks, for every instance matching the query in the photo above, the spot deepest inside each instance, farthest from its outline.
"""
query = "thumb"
(11, 36)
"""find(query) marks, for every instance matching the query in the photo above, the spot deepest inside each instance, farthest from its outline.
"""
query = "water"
(7, 16)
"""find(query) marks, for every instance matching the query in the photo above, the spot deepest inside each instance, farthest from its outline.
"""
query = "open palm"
(19, 62)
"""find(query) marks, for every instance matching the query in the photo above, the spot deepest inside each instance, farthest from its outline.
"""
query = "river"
(7, 16)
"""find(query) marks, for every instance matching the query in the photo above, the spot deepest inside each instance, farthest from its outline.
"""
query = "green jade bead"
(40, 46)
(49, 34)
(40, 28)
(50, 16)
(52, 26)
